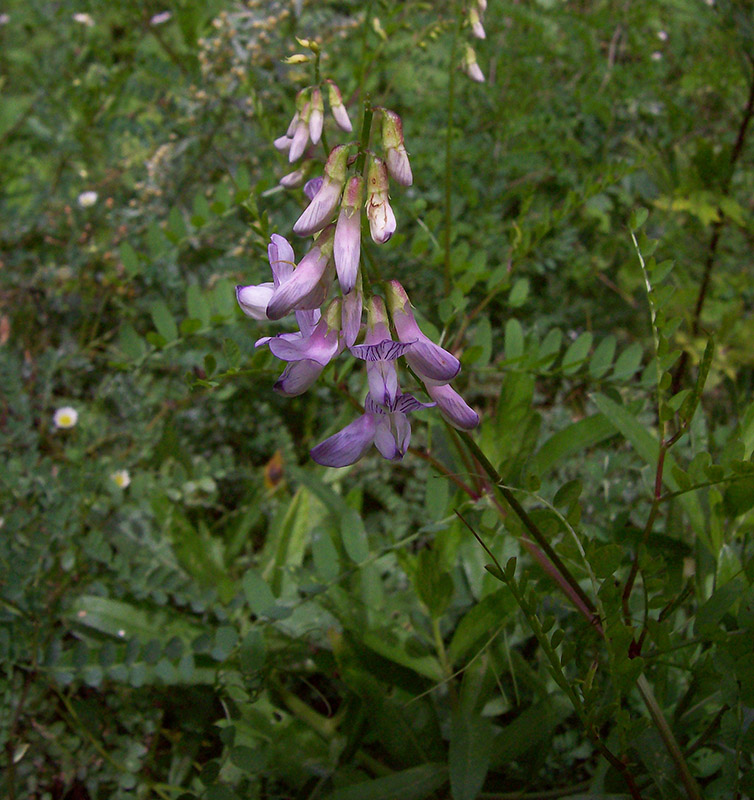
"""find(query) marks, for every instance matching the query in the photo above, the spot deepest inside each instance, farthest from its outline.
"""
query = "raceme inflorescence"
(354, 179)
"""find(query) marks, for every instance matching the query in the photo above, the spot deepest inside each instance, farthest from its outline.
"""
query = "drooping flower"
(322, 207)
(338, 108)
(65, 417)
(312, 350)
(476, 23)
(84, 19)
(427, 359)
(379, 213)
(316, 116)
(387, 428)
(380, 353)
(253, 300)
(452, 406)
(298, 130)
(395, 151)
(471, 66)
(352, 306)
(307, 285)
(347, 243)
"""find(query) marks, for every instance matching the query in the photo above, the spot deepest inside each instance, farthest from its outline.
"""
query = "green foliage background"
(240, 623)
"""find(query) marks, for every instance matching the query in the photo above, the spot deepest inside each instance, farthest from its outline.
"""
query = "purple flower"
(347, 244)
(317, 116)
(452, 406)
(387, 428)
(427, 359)
(319, 212)
(352, 303)
(395, 152)
(380, 352)
(307, 286)
(379, 213)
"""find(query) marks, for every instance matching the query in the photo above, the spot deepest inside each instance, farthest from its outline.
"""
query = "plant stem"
(449, 146)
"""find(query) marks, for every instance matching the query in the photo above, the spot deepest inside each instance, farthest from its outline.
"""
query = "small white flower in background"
(662, 36)
(657, 56)
(4, 19)
(84, 19)
(87, 199)
(121, 478)
(65, 417)
(161, 18)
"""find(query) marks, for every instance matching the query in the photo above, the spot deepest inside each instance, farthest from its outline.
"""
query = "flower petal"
(321, 346)
(281, 257)
(347, 247)
(319, 212)
(297, 377)
(253, 300)
(453, 407)
(290, 293)
(429, 360)
(347, 446)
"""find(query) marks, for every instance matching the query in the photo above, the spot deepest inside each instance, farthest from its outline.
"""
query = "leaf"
(130, 342)
(519, 293)
(257, 592)
(415, 783)
(577, 437)
(130, 259)
(647, 447)
(576, 354)
(469, 753)
(163, 321)
(514, 340)
(628, 362)
(395, 651)
(602, 357)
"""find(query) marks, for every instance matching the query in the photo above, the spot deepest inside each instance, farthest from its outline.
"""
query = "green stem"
(449, 145)
(687, 779)
(366, 128)
(530, 526)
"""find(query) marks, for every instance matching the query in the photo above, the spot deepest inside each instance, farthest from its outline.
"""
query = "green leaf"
(514, 340)
(415, 783)
(519, 293)
(130, 259)
(197, 305)
(164, 321)
(469, 753)
(576, 354)
(532, 728)
(638, 218)
(577, 437)
(628, 362)
(130, 342)
(232, 353)
(602, 357)
(258, 593)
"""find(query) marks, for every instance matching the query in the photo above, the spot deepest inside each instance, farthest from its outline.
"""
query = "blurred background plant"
(225, 619)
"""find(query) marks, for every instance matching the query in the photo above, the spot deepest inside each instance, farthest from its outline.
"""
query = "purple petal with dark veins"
(297, 377)
(386, 350)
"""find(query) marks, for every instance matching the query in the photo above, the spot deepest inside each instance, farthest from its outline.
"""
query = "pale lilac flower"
(161, 18)
(297, 377)
(427, 359)
(4, 19)
(452, 406)
(387, 428)
(662, 36)
(316, 116)
(253, 300)
(282, 143)
(319, 212)
(338, 109)
(395, 151)
(352, 306)
(379, 213)
(65, 417)
(298, 130)
(657, 56)
(476, 23)
(380, 353)
(470, 65)
(295, 178)
(347, 243)
(307, 287)
(87, 199)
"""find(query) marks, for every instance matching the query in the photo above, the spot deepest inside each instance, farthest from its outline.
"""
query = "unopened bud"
(470, 65)
(347, 243)
(338, 108)
(395, 152)
(317, 116)
(379, 213)
(476, 23)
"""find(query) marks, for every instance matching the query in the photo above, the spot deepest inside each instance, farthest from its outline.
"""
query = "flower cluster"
(328, 326)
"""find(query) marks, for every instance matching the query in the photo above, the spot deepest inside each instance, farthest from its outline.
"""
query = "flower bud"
(379, 213)
(476, 23)
(338, 108)
(347, 244)
(470, 65)
(317, 116)
(296, 178)
(392, 140)
(319, 212)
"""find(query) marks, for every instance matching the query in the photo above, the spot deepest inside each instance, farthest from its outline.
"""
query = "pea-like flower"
(387, 428)
(338, 108)
(379, 213)
(347, 244)
(395, 151)
(322, 206)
